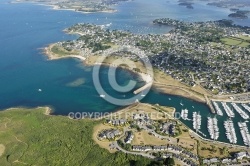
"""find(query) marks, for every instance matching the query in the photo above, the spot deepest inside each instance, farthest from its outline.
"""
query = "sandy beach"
(51, 56)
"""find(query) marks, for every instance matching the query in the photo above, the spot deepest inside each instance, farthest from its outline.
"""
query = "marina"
(230, 131)
(228, 110)
(213, 129)
(196, 121)
(244, 133)
(217, 108)
(240, 111)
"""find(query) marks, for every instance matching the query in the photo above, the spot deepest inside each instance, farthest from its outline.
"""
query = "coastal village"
(213, 55)
(153, 132)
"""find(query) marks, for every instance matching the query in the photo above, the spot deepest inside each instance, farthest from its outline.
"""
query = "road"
(115, 145)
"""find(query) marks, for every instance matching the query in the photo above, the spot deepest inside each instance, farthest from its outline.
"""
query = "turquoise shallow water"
(24, 69)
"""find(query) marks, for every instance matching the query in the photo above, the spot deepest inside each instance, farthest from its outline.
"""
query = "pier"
(208, 101)
(148, 85)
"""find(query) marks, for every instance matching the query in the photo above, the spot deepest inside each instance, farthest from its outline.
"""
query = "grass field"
(143, 138)
(236, 41)
(60, 51)
(29, 137)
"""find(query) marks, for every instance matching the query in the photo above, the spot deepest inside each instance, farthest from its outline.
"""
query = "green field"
(236, 41)
(244, 37)
(32, 138)
(60, 51)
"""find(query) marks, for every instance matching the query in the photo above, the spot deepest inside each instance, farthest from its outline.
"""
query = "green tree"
(169, 161)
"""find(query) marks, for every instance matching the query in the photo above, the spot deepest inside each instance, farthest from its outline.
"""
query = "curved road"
(115, 144)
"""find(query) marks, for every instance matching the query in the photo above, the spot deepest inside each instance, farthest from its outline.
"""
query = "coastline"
(178, 91)
(51, 56)
(161, 83)
(172, 88)
(56, 7)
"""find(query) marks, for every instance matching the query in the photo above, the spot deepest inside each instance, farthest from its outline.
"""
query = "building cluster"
(116, 122)
(169, 147)
(109, 134)
(197, 59)
(173, 151)
(129, 137)
(233, 160)
(168, 128)
(186, 161)
(142, 119)
(170, 150)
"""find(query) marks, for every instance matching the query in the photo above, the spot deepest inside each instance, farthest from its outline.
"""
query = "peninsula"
(85, 6)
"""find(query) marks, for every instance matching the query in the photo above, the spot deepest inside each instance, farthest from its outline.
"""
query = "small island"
(242, 14)
(187, 4)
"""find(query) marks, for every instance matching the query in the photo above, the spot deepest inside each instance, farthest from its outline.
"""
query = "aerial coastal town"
(198, 110)
(202, 53)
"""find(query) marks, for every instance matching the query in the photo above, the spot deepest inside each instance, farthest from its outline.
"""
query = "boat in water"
(244, 133)
(243, 114)
(213, 129)
(246, 107)
(196, 121)
(184, 114)
(228, 110)
(230, 131)
(102, 96)
(217, 108)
